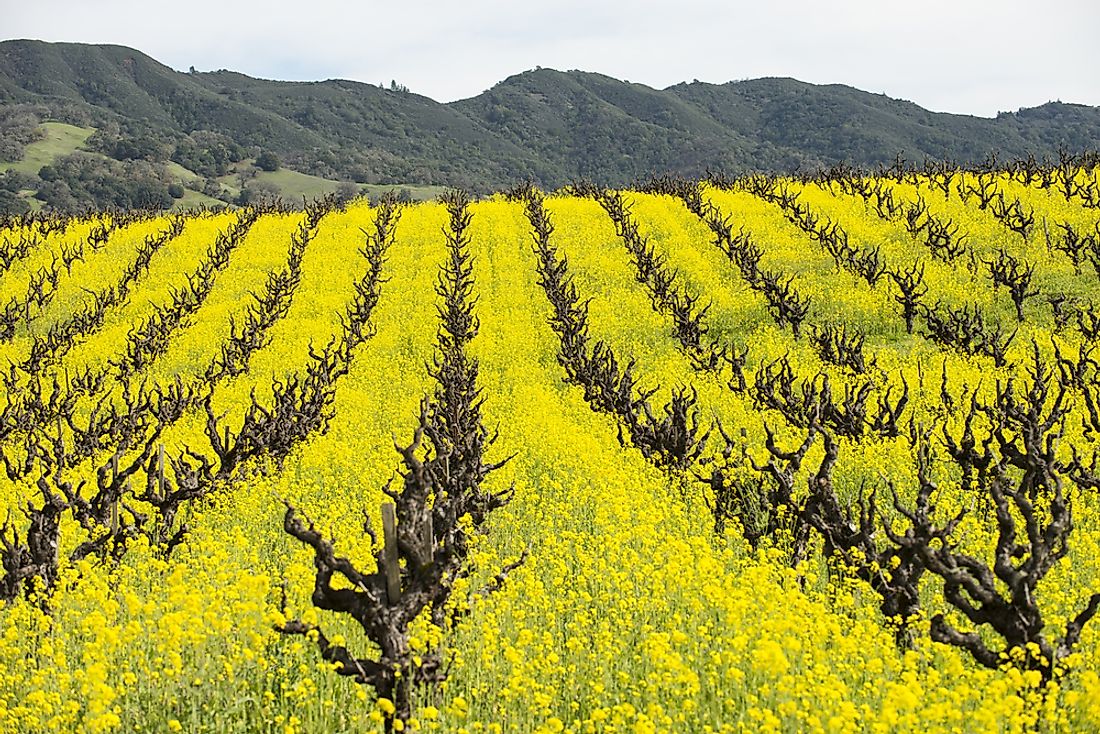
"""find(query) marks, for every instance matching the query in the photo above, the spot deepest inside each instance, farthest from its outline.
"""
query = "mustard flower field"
(761, 454)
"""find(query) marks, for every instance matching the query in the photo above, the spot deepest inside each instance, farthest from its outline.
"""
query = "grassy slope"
(193, 199)
(185, 176)
(61, 140)
(192, 183)
(295, 185)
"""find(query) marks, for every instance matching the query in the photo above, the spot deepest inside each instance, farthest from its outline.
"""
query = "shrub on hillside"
(267, 161)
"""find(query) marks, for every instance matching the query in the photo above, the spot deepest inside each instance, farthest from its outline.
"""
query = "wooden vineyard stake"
(114, 508)
(389, 553)
(160, 471)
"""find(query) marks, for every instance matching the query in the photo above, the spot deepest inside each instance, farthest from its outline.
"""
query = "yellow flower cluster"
(629, 614)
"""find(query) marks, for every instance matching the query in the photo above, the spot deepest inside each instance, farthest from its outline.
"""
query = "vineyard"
(762, 454)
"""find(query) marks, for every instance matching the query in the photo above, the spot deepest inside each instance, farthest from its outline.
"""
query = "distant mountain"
(547, 125)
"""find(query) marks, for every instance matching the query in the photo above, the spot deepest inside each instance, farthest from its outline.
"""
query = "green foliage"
(208, 154)
(267, 161)
(257, 192)
(134, 149)
(12, 203)
(83, 181)
(18, 129)
(14, 181)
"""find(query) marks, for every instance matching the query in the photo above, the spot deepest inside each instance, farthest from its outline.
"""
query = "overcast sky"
(947, 55)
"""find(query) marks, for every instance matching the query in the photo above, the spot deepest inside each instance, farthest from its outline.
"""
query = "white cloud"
(947, 55)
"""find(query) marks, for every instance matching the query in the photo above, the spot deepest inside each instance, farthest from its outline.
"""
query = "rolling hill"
(545, 125)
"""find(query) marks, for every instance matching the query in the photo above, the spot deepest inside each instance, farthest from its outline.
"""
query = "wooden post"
(160, 471)
(114, 468)
(114, 508)
(389, 553)
(429, 536)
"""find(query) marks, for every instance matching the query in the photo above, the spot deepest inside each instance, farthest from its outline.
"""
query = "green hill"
(545, 125)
